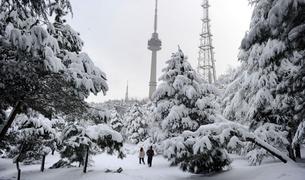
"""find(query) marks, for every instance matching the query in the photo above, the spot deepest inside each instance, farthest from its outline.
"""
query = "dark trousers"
(141, 160)
(149, 161)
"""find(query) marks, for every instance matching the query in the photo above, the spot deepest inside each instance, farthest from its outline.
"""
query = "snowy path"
(160, 171)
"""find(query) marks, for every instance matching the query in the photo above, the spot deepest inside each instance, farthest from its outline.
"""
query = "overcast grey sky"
(116, 32)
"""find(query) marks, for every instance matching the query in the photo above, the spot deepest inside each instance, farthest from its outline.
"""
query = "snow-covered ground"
(160, 171)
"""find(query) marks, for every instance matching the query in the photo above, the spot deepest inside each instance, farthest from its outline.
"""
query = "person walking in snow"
(141, 155)
(150, 153)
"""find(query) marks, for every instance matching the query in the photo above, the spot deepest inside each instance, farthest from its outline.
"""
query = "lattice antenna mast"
(206, 61)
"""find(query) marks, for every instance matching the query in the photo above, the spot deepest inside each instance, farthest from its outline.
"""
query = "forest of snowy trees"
(256, 110)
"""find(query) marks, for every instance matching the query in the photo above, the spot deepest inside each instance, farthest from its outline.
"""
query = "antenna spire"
(156, 17)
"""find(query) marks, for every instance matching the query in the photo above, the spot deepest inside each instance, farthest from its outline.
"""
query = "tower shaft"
(154, 45)
(206, 62)
(153, 74)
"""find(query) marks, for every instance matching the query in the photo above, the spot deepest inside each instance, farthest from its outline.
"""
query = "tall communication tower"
(154, 45)
(206, 61)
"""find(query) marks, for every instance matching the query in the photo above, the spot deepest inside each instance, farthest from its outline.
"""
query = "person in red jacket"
(150, 153)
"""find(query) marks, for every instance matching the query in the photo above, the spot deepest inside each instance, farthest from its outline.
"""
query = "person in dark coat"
(150, 153)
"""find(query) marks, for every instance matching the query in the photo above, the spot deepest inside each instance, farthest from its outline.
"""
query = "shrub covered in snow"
(203, 156)
(202, 151)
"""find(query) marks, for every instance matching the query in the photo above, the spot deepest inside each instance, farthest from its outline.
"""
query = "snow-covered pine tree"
(33, 137)
(204, 150)
(155, 135)
(42, 66)
(233, 104)
(135, 124)
(272, 55)
(294, 84)
(88, 135)
(115, 120)
(226, 78)
(81, 140)
(183, 104)
(153, 129)
(180, 98)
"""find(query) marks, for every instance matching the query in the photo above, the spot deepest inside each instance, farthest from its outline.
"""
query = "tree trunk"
(42, 163)
(86, 160)
(18, 170)
(297, 150)
(290, 148)
(10, 120)
(53, 150)
(291, 152)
